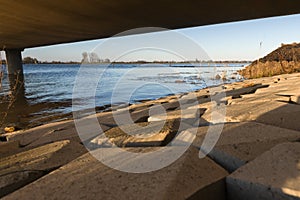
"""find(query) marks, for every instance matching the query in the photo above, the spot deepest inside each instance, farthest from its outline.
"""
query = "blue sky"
(245, 40)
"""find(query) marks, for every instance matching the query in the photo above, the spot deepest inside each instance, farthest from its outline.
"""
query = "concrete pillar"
(14, 61)
(18, 102)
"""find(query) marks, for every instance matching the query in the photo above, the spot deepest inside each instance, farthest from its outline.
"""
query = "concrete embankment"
(255, 157)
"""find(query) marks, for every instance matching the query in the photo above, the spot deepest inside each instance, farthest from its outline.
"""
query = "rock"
(180, 81)
(224, 75)
(272, 176)
(100, 141)
(9, 129)
(218, 77)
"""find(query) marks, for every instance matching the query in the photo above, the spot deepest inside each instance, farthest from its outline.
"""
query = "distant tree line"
(93, 58)
(30, 60)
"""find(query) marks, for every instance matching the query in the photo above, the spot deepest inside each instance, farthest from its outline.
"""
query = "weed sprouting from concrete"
(8, 100)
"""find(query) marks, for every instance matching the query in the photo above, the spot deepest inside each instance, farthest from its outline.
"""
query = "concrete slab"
(275, 175)
(26, 137)
(137, 115)
(106, 119)
(213, 114)
(286, 116)
(53, 132)
(9, 148)
(24, 167)
(240, 143)
(138, 135)
(171, 105)
(249, 111)
(233, 105)
(15, 180)
(54, 135)
(184, 114)
(42, 158)
(140, 115)
(247, 89)
(295, 99)
(275, 105)
(140, 106)
(87, 178)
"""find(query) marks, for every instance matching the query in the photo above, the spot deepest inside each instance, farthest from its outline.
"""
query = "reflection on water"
(47, 95)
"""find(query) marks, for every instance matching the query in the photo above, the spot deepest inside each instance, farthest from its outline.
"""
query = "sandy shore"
(260, 114)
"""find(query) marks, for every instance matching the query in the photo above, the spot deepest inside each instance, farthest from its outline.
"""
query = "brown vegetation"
(284, 60)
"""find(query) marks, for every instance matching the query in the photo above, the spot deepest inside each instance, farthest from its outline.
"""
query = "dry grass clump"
(284, 60)
(270, 68)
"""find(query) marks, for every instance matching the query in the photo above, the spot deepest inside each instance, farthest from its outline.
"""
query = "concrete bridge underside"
(33, 23)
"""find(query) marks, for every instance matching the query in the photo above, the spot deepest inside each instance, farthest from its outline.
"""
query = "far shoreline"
(35, 61)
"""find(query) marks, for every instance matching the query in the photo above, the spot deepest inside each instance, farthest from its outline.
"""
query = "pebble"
(9, 129)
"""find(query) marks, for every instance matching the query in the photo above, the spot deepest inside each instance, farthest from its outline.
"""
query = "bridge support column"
(16, 76)
(14, 61)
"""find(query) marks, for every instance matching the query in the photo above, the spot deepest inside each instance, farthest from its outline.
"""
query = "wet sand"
(24, 116)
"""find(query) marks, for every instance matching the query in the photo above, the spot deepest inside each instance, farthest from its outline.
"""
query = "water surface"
(49, 87)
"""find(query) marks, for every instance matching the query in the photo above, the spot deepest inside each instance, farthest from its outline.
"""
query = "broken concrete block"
(9, 147)
(124, 116)
(249, 110)
(15, 180)
(250, 89)
(285, 116)
(140, 115)
(42, 158)
(239, 143)
(87, 178)
(174, 104)
(26, 137)
(191, 114)
(22, 168)
(295, 99)
(138, 135)
(272, 176)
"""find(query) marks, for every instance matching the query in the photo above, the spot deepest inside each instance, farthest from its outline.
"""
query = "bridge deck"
(32, 23)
